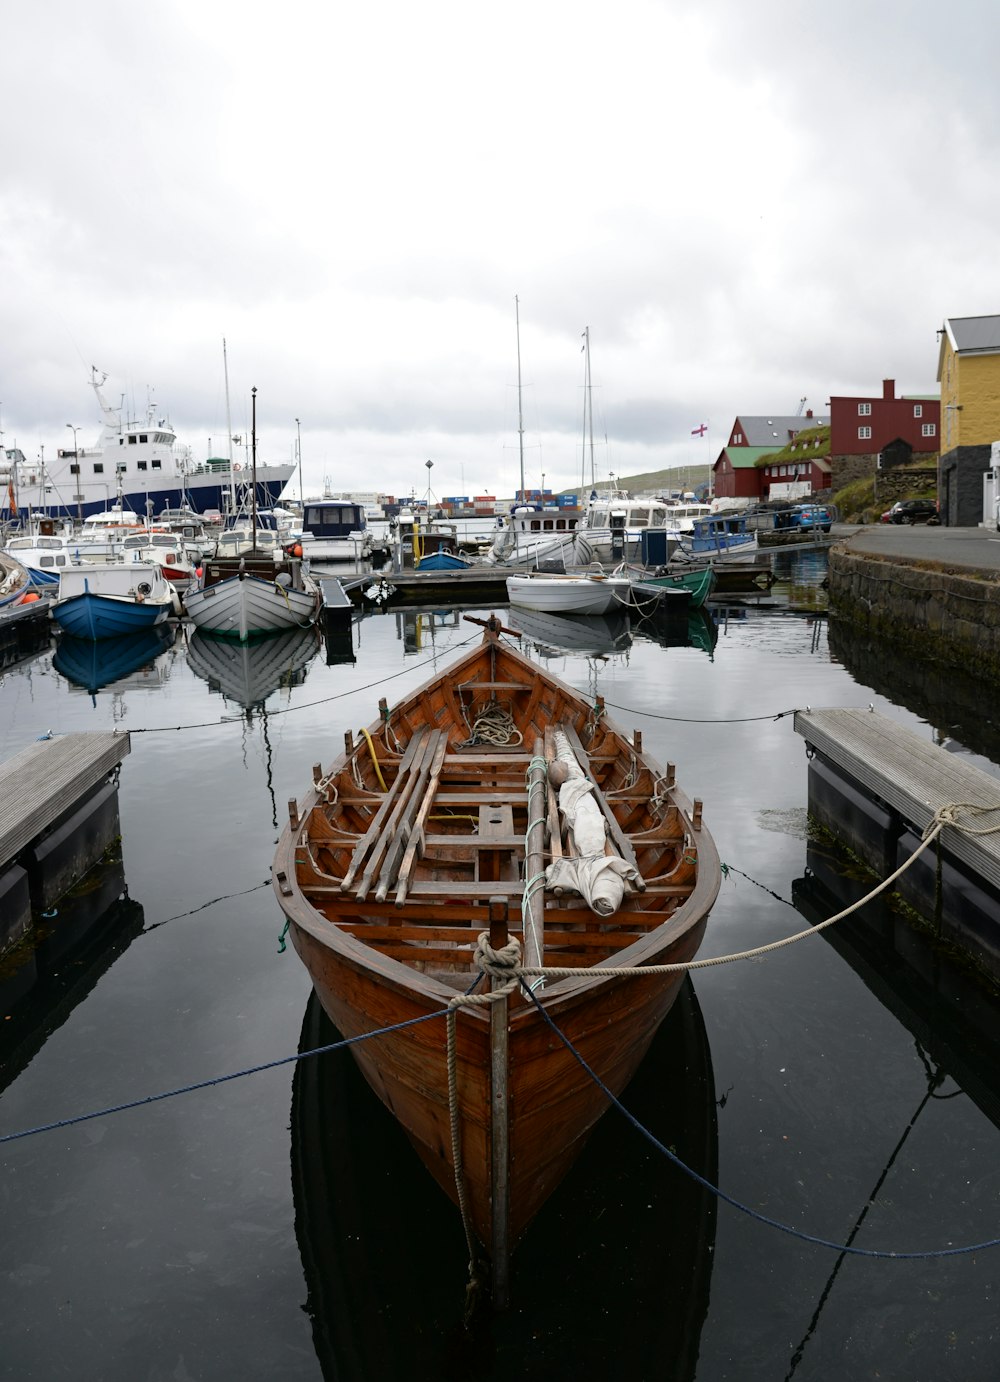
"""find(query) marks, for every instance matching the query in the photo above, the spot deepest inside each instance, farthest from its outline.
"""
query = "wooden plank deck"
(911, 775)
(44, 780)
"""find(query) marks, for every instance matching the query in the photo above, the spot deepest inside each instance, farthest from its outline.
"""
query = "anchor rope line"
(504, 963)
(720, 1194)
(699, 720)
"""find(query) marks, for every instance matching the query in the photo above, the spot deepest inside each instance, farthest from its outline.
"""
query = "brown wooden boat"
(418, 841)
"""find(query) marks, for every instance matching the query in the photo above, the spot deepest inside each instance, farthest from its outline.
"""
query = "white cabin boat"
(530, 537)
(335, 530)
(613, 525)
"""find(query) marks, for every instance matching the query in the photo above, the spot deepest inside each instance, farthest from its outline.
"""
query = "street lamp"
(79, 476)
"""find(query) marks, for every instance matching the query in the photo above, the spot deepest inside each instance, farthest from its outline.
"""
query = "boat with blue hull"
(105, 600)
(139, 457)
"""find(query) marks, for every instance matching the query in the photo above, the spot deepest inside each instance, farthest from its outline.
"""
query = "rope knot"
(499, 964)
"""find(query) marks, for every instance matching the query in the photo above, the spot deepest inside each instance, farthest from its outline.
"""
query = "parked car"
(813, 516)
(912, 511)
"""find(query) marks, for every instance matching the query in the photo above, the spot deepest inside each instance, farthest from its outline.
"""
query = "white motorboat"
(165, 550)
(587, 593)
(335, 530)
(44, 556)
(614, 525)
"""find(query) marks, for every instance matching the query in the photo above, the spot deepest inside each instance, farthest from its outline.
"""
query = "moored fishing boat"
(107, 599)
(495, 808)
(252, 594)
(251, 587)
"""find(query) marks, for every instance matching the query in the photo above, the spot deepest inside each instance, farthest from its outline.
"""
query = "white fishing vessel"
(138, 457)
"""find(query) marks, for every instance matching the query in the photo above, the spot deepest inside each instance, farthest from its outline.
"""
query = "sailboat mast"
(586, 396)
(590, 414)
(229, 431)
(253, 461)
(520, 418)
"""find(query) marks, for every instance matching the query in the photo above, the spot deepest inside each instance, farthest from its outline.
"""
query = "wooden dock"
(877, 786)
(58, 814)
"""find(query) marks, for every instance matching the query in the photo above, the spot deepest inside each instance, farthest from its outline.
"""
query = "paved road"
(978, 548)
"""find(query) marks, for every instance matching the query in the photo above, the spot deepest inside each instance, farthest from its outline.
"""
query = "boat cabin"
(332, 518)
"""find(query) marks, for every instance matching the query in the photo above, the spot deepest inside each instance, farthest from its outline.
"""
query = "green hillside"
(659, 481)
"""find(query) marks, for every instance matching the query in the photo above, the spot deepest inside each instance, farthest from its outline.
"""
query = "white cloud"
(745, 203)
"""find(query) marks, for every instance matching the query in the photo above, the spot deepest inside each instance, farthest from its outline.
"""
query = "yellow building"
(969, 375)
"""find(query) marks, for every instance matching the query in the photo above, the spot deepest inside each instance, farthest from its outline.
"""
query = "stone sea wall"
(934, 613)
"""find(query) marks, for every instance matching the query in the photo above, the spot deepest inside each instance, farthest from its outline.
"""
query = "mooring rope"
(945, 815)
(503, 966)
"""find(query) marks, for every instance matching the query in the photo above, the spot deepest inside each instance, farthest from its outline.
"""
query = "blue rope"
(208, 1084)
(728, 1199)
(654, 1141)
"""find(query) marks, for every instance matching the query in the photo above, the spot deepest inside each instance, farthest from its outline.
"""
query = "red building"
(898, 429)
(738, 472)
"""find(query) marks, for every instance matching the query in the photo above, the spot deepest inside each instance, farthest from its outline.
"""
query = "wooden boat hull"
(524, 1107)
(408, 1070)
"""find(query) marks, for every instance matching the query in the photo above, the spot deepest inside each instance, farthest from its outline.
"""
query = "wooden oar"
(398, 836)
(375, 863)
(415, 847)
(374, 830)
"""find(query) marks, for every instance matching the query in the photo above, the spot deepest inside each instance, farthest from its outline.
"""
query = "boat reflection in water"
(94, 664)
(593, 634)
(612, 1280)
(698, 630)
(43, 979)
(250, 672)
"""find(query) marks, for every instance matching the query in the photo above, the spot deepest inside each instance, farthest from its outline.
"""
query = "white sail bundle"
(601, 879)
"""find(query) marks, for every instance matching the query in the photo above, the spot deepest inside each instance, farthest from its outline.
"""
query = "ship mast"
(520, 418)
(588, 414)
(253, 455)
(229, 432)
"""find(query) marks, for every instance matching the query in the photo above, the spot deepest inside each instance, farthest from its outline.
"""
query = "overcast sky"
(748, 202)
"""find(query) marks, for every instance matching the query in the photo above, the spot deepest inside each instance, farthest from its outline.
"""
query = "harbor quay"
(933, 592)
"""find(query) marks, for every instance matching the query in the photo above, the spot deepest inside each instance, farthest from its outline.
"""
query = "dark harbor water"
(279, 1226)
